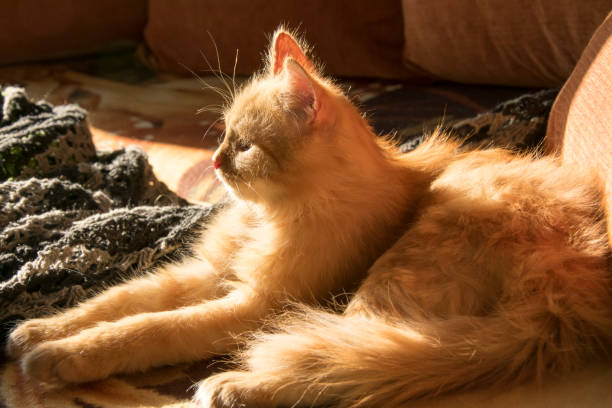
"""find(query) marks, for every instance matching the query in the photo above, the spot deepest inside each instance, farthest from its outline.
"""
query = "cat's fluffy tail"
(352, 361)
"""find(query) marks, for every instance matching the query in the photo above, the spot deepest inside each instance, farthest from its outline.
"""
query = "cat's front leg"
(138, 342)
(170, 287)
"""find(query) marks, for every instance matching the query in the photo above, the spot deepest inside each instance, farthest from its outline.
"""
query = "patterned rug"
(74, 220)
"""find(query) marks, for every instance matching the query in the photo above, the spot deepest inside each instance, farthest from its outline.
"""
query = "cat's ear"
(289, 62)
(301, 89)
(285, 46)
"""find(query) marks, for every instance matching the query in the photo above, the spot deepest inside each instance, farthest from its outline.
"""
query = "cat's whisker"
(206, 86)
(211, 126)
(218, 109)
(222, 75)
(234, 74)
(227, 93)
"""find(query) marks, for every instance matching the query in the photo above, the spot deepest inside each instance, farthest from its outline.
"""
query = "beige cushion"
(351, 37)
(580, 123)
(518, 42)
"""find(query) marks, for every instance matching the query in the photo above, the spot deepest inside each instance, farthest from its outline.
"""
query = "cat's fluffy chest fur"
(312, 251)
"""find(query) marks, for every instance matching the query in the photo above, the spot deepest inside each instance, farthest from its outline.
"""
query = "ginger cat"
(476, 268)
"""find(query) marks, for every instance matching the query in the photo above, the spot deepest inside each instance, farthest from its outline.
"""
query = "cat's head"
(279, 128)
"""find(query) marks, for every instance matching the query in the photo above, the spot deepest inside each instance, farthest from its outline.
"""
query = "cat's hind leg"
(170, 287)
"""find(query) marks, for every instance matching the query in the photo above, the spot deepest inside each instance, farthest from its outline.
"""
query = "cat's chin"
(241, 190)
(258, 191)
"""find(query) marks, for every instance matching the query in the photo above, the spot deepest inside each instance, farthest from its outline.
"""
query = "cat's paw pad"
(56, 363)
(26, 336)
(227, 390)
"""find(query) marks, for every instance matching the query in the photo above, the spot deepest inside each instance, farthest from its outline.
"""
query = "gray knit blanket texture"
(74, 221)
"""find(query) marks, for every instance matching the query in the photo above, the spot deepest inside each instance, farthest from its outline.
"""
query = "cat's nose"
(216, 160)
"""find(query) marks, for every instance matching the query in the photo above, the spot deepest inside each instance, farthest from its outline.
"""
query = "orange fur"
(473, 268)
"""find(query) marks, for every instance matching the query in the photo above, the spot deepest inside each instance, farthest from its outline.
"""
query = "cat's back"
(539, 188)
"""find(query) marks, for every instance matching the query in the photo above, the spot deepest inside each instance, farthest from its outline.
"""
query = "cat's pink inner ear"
(301, 85)
(285, 46)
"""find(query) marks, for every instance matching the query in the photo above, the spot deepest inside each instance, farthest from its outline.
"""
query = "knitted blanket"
(74, 221)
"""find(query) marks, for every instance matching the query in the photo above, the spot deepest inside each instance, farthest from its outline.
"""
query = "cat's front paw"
(232, 389)
(26, 336)
(56, 363)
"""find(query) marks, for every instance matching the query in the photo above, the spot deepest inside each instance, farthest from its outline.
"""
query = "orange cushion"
(351, 37)
(519, 42)
(43, 29)
(580, 123)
